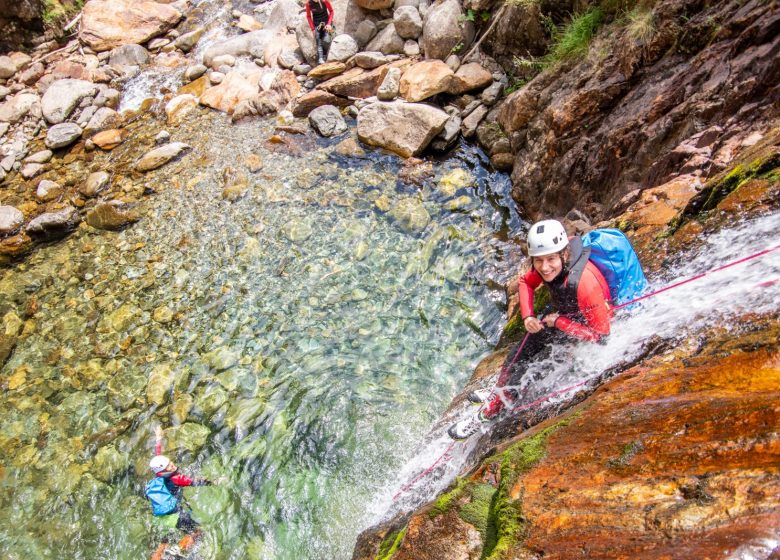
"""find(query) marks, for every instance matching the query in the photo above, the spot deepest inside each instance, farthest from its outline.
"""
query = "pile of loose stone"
(393, 65)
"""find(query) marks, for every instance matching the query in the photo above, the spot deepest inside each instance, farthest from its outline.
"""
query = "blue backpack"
(163, 501)
(613, 255)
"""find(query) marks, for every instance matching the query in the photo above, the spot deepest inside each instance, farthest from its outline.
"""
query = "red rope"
(549, 396)
(698, 276)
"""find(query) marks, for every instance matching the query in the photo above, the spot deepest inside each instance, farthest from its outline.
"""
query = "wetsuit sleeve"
(592, 296)
(330, 11)
(308, 16)
(182, 480)
(525, 292)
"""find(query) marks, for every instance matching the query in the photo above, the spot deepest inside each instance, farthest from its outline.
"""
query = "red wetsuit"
(316, 13)
(591, 321)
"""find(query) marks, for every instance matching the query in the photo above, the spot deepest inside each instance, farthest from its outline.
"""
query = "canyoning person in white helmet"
(580, 310)
(163, 491)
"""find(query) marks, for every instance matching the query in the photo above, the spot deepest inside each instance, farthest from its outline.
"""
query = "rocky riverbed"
(202, 228)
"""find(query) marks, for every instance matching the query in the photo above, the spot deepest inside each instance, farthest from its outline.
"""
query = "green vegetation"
(390, 544)
(641, 25)
(493, 511)
(573, 39)
(472, 16)
(55, 10)
(627, 453)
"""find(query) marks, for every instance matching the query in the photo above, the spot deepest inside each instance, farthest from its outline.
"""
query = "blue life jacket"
(613, 255)
(163, 500)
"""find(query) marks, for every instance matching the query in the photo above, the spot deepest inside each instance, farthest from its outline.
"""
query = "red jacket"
(592, 300)
(309, 17)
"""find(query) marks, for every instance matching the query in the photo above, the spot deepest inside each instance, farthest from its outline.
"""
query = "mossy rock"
(208, 503)
(410, 214)
(109, 463)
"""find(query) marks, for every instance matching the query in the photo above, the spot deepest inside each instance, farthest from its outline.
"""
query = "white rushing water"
(713, 300)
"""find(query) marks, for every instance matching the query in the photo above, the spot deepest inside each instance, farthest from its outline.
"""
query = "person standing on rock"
(580, 299)
(163, 491)
(319, 14)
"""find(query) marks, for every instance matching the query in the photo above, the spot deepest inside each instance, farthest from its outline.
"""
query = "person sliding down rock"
(580, 296)
(163, 491)
(319, 14)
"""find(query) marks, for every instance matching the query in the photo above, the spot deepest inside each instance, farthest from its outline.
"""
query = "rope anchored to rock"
(446, 456)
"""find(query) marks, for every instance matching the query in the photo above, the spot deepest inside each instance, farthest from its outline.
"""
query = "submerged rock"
(53, 224)
(111, 216)
(162, 155)
(410, 214)
(327, 120)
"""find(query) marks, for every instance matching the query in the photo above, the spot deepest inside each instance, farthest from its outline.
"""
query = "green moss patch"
(444, 502)
(390, 544)
(514, 328)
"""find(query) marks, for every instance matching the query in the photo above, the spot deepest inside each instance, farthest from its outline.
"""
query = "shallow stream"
(295, 344)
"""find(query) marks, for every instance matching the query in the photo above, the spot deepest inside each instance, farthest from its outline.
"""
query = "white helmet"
(159, 463)
(546, 237)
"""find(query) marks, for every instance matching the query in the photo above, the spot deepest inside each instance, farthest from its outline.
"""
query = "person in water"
(164, 493)
(319, 14)
(580, 301)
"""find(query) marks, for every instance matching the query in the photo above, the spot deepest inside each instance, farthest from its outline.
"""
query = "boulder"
(187, 41)
(103, 119)
(11, 219)
(48, 190)
(275, 96)
(110, 216)
(289, 58)
(407, 21)
(248, 44)
(17, 107)
(306, 41)
(471, 122)
(226, 96)
(375, 4)
(32, 74)
(178, 107)
(63, 96)
(284, 15)
(52, 225)
(390, 86)
(108, 139)
(410, 214)
(342, 48)
(7, 67)
(411, 48)
(61, 135)
(426, 79)
(305, 104)
(441, 29)
(160, 156)
(449, 135)
(491, 94)
(366, 30)
(247, 23)
(358, 82)
(327, 120)
(95, 183)
(404, 128)
(370, 59)
(129, 55)
(327, 70)
(106, 24)
(388, 41)
(470, 77)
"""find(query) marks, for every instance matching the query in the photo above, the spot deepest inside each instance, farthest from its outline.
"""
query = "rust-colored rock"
(327, 70)
(426, 79)
(106, 24)
(195, 87)
(470, 77)
(109, 139)
(358, 82)
(305, 104)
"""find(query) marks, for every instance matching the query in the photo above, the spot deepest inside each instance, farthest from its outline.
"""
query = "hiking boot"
(479, 396)
(467, 426)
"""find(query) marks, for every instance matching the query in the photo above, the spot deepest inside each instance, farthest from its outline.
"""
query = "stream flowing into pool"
(295, 344)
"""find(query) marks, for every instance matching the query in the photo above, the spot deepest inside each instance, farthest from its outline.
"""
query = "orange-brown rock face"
(677, 460)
